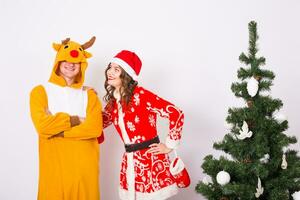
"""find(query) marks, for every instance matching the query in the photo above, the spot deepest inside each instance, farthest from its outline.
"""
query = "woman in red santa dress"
(133, 110)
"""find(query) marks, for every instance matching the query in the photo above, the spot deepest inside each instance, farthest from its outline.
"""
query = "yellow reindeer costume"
(69, 167)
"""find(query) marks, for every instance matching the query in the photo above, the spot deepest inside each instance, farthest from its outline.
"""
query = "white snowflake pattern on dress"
(152, 120)
(138, 139)
(136, 119)
(136, 99)
(130, 126)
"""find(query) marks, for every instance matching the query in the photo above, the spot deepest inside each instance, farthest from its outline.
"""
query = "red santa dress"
(144, 176)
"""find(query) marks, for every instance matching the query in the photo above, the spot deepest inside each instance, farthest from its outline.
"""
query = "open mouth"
(70, 69)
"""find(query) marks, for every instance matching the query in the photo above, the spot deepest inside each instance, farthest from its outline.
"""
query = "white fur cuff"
(172, 144)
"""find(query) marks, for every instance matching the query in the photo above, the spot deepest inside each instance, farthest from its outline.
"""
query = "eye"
(66, 47)
(80, 48)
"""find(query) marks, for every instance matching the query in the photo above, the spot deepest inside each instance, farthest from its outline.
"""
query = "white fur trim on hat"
(126, 67)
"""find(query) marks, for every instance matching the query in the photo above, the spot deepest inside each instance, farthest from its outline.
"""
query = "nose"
(74, 53)
(108, 72)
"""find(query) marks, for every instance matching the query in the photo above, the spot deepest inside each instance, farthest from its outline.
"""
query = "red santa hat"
(130, 62)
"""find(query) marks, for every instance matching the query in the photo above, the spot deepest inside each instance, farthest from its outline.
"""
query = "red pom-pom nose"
(74, 53)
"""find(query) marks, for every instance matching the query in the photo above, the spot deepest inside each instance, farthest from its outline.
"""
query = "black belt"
(139, 146)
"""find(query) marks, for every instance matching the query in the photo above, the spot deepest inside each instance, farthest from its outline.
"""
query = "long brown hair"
(127, 87)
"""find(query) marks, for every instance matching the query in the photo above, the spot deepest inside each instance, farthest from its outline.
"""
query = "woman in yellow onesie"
(68, 121)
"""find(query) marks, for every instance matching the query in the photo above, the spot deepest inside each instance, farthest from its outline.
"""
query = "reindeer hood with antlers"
(71, 51)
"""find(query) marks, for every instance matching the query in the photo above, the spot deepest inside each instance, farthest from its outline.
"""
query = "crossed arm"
(62, 124)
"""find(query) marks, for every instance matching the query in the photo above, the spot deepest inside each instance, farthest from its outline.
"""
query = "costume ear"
(87, 54)
(56, 47)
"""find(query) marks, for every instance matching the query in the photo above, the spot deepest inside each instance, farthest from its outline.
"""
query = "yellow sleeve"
(46, 125)
(92, 125)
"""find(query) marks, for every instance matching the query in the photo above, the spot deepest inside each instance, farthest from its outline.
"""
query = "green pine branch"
(248, 159)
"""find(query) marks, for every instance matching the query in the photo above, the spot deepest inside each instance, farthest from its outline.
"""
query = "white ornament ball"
(296, 195)
(223, 177)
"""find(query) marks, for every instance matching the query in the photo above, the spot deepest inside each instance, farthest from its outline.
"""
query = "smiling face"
(113, 75)
(69, 70)
(119, 85)
(70, 63)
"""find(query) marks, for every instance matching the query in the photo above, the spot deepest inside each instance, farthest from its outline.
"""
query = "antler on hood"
(89, 43)
(65, 41)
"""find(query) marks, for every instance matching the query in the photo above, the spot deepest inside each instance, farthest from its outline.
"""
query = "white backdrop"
(190, 55)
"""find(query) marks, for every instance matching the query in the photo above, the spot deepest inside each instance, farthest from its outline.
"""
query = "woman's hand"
(159, 148)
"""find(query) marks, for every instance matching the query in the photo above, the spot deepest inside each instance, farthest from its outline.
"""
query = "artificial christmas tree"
(261, 165)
